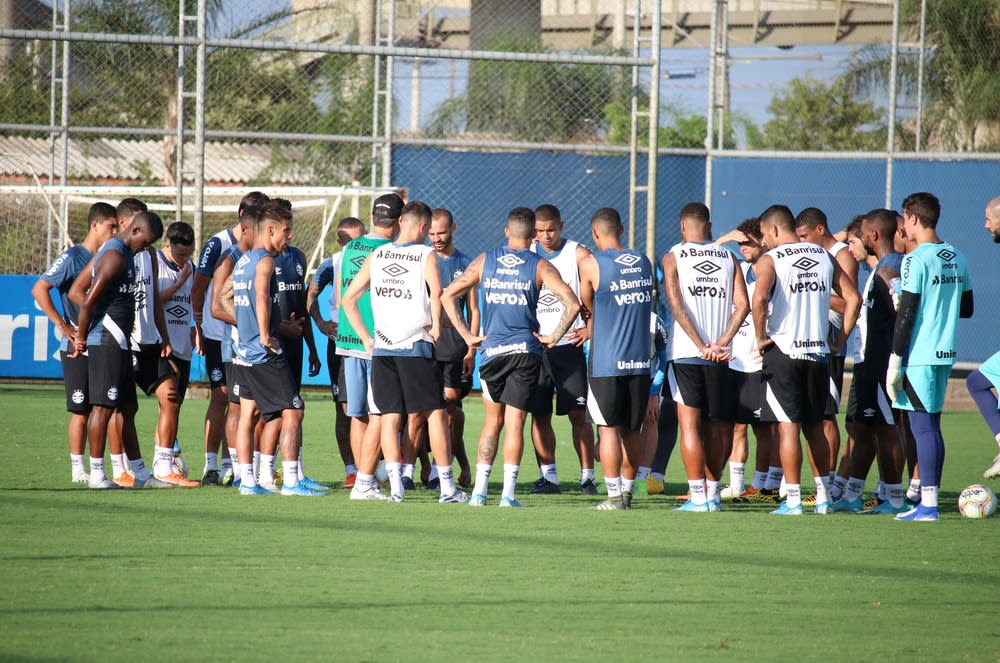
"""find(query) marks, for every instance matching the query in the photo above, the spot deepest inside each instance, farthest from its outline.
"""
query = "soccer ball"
(180, 466)
(977, 501)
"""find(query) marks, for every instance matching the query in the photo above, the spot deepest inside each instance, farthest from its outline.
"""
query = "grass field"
(206, 574)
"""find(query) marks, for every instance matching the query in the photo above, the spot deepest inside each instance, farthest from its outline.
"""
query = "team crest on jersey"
(946, 255)
(78, 397)
(216, 375)
(236, 390)
(335, 389)
(547, 299)
(297, 402)
(628, 259)
(510, 261)
(394, 270)
(298, 268)
(113, 393)
(135, 361)
(706, 267)
(804, 264)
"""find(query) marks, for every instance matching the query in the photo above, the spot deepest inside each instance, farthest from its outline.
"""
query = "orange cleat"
(125, 480)
(178, 480)
(349, 481)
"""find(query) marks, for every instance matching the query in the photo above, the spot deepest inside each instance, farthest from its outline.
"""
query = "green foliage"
(24, 92)
(678, 127)
(811, 115)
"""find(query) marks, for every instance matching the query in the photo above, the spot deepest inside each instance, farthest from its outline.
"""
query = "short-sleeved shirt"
(60, 275)
(939, 274)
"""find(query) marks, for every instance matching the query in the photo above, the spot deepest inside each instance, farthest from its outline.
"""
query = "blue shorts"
(924, 388)
(991, 370)
(358, 380)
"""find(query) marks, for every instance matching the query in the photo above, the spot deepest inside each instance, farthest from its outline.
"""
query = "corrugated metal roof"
(143, 160)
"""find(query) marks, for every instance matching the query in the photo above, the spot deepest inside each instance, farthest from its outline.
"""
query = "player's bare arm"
(78, 291)
(887, 274)
(463, 283)
(182, 276)
(42, 292)
(672, 286)
(741, 308)
(844, 286)
(433, 280)
(153, 299)
(262, 284)
(549, 276)
(326, 327)
(358, 287)
(589, 278)
(222, 292)
(850, 267)
(764, 269)
(107, 268)
(199, 287)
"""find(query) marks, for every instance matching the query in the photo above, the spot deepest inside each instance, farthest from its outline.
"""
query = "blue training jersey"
(115, 314)
(510, 297)
(60, 275)
(290, 273)
(621, 338)
(939, 274)
(248, 348)
(229, 333)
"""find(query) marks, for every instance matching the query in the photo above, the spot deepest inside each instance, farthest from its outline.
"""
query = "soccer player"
(811, 226)
(208, 338)
(617, 285)
(984, 380)
(405, 288)
(936, 292)
(510, 278)
(564, 367)
(103, 223)
(790, 308)
(708, 300)
(258, 350)
(869, 410)
(106, 316)
(328, 273)
(455, 359)
(365, 431)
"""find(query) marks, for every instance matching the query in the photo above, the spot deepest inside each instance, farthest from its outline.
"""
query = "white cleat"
(993, 471)
(372, 494)
(81, 477)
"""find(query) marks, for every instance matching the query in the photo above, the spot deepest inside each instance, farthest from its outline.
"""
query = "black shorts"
(451, 373)
(110, 376)
(272, 387)
(746, 386)
(563, 370)
(836, 367)
(510, 379)
(868, 402)
(707, 387)
(618, 401)
(406, 384)
(235, 382)
(75, 380)
(213, 363)
(335, 369)
(450, 347)
(183, 367)
(792, 390)
(293, 348)
(151, 369)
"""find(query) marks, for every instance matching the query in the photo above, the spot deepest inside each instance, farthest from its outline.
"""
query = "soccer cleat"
(510, 502)
(686, 497)
(178, 480)
(714, 506)
(477, 500)
(886, 507)
(588, 487)
(545, 487)
(395, 498)
(372, 494)
(81, 477)
(919, 513)
(611, 504)
(271, 487)
(730, 492)
(314, 485)
(823, 509)
(228, 478)
(301, 490)
(639, 488)
(104, 484)
(872, 503)
(809, 500)
(254, 490)
(211, 478)
(850, 506)
(351, 478)
(152, 483)
(434, 484)
(125, 480)
(237, 482)
(993, 471)
(756, 496)
(785, 510)
(627, 499)
(408, 483)
(458, 497)
(654, 486)
(694, 508)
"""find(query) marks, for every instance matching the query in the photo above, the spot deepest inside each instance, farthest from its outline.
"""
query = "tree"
(678, 127)
(811, 115)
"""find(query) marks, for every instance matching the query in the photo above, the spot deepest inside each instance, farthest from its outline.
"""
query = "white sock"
(628, 485)
(896, 494)
(211, 461)
(395, 478)
(265, 473)
(350, 469)
(696, 490)
(301, 471)
(822, 489)
(256, 463)
(998, 439)
(364, 482)
(642, 473)
(447, 477)
(614, 486)
(793, 496)
(759, 479)
(853, 489)
(929, 496)
(226, 464)
(249, 478)
(433, 474)
(913, 491)
(117, 465)
(233, 458)
(774, 476)
(482, 479)
(737, 475)
(407, 470)
(549, 473)
(586, 474)
(509, 480)
(139, 469)
(711, 490)
(97, 471)
(163, 460)
(290, 472)
(76, 464)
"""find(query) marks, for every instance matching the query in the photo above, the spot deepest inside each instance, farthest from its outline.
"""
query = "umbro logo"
(548, 299)
(869, 412)
(628, 259)
(357, 261)
(394, 270)
(706, 267)
(804, 264)
(946, 255)
(746, 323)
(510, 260)
(581, 400)
(177, 311)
